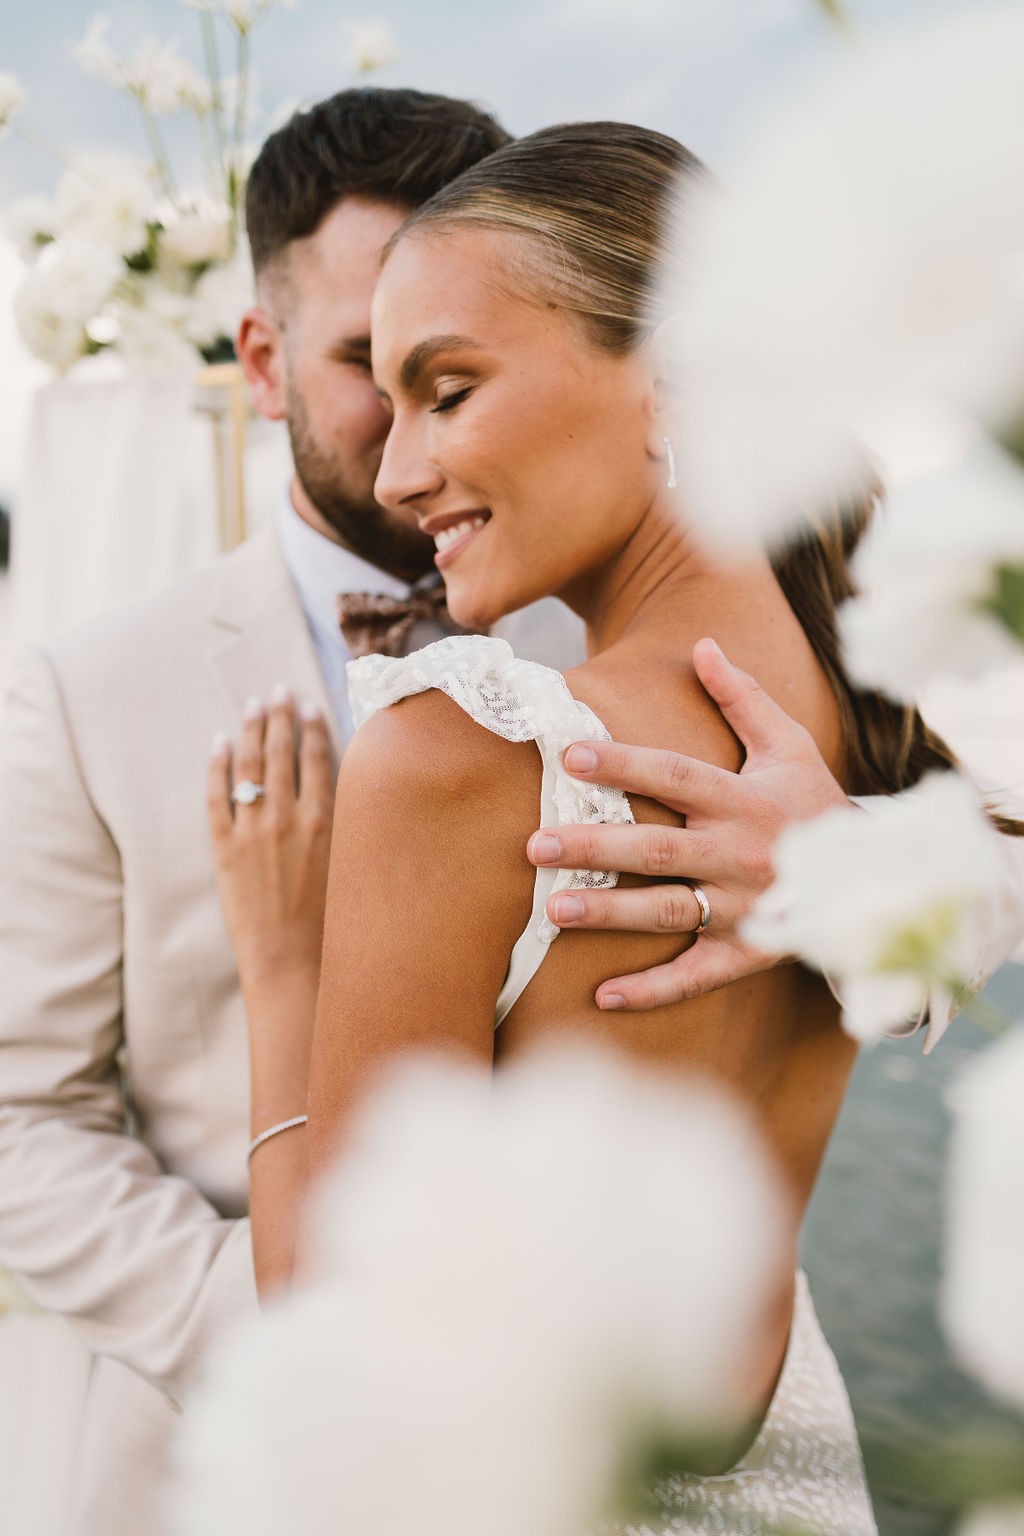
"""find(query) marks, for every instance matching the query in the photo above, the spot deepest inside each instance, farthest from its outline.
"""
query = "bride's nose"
(406, 474)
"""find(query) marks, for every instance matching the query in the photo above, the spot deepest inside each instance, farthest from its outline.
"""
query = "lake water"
(872, 1251)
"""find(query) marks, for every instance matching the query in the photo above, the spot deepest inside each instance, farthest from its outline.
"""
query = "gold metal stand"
(221, 395)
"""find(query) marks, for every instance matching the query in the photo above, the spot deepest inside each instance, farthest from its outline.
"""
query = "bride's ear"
(663, 408)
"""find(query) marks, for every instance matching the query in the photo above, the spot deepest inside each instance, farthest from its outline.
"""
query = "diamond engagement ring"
(247, 793)
(705, 908)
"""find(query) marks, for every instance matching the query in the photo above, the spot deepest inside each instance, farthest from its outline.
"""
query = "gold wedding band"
(705, 908)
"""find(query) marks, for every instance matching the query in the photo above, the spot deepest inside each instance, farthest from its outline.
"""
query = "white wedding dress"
(804, 1469)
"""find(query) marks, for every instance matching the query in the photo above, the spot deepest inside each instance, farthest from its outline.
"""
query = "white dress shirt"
(321, 569)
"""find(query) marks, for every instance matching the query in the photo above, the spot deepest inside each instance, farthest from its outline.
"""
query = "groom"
(123, 1061)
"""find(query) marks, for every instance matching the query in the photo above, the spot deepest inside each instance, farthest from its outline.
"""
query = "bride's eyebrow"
(422, 353)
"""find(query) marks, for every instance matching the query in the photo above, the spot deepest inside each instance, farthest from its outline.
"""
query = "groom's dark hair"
(395, 146)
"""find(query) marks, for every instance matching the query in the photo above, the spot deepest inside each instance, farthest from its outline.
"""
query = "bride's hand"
(272, 853)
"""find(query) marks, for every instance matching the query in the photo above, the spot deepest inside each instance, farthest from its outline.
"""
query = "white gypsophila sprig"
(927, 573)
(514, 1279)
(984, 1255)
(13, 97)
(374, 46)
(888, 904)
(866, 250)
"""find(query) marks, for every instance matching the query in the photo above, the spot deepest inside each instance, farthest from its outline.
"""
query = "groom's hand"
(732, 823)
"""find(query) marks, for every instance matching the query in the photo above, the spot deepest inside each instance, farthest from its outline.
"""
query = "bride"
(516, 339)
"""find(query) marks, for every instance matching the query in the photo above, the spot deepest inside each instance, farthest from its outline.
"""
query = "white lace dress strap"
(522, 701)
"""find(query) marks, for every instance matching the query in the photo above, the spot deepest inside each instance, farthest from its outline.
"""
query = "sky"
(705, 71)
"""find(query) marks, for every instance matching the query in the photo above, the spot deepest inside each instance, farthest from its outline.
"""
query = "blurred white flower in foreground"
(374, 46)
(106, 199)
(12, 98)
(984, 1280)
(928, 573)
(519, 1279)
(887, 904)
(869, 249)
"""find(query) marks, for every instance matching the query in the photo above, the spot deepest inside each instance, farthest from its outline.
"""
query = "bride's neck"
(656, 578)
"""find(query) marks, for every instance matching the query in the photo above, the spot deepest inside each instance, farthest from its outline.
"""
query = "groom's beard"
(362, 524)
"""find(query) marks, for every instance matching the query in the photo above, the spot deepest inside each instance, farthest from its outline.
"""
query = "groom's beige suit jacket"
(122, 1207)
(116, 967)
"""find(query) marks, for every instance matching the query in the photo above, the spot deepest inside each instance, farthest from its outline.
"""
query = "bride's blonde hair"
(601, 220)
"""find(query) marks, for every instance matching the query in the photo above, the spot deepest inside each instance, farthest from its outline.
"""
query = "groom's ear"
(664, 397)
(260, 349)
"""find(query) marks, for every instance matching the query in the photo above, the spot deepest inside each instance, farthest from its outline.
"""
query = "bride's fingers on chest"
(248, 763)
(280, 748)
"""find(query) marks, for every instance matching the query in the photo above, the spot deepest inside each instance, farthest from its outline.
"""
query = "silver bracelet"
(274, 1130)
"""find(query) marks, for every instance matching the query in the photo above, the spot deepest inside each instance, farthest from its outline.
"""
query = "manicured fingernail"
(580, 759)
(611, 1001)
(310, 711)
(219, 745)
(544, 848)
(279, 694)
(253, 707)
(566, 909)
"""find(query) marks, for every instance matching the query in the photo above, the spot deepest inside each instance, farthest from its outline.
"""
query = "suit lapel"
(259, 635)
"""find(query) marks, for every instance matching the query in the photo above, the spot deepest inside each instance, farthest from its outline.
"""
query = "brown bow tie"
(372, 623)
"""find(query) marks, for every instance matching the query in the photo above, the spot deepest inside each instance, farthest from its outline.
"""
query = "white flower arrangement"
(522, 1282)
(180, 278)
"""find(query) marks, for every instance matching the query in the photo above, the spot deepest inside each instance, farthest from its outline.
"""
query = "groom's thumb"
(763, 727)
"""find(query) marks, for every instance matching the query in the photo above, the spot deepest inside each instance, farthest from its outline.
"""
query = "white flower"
(155, 73)
(219, 300)
(195, 239)
(56, 298)
(150, 339)
(516, 1277)
(246, 13)
(374, 46)
(107, 199)
(984, 1278)
(869, 251)
(1003, 1519)
(59, 295)
(926, 569)
(12, 98)
(886, 903)
(95, 55)
(28, 224)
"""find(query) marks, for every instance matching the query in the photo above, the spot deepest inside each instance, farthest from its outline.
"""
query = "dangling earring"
(672, 481)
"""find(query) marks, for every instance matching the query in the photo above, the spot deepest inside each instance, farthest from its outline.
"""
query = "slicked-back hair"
(397, 146)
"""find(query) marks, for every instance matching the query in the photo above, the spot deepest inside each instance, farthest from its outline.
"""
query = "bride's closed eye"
(449, 401)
